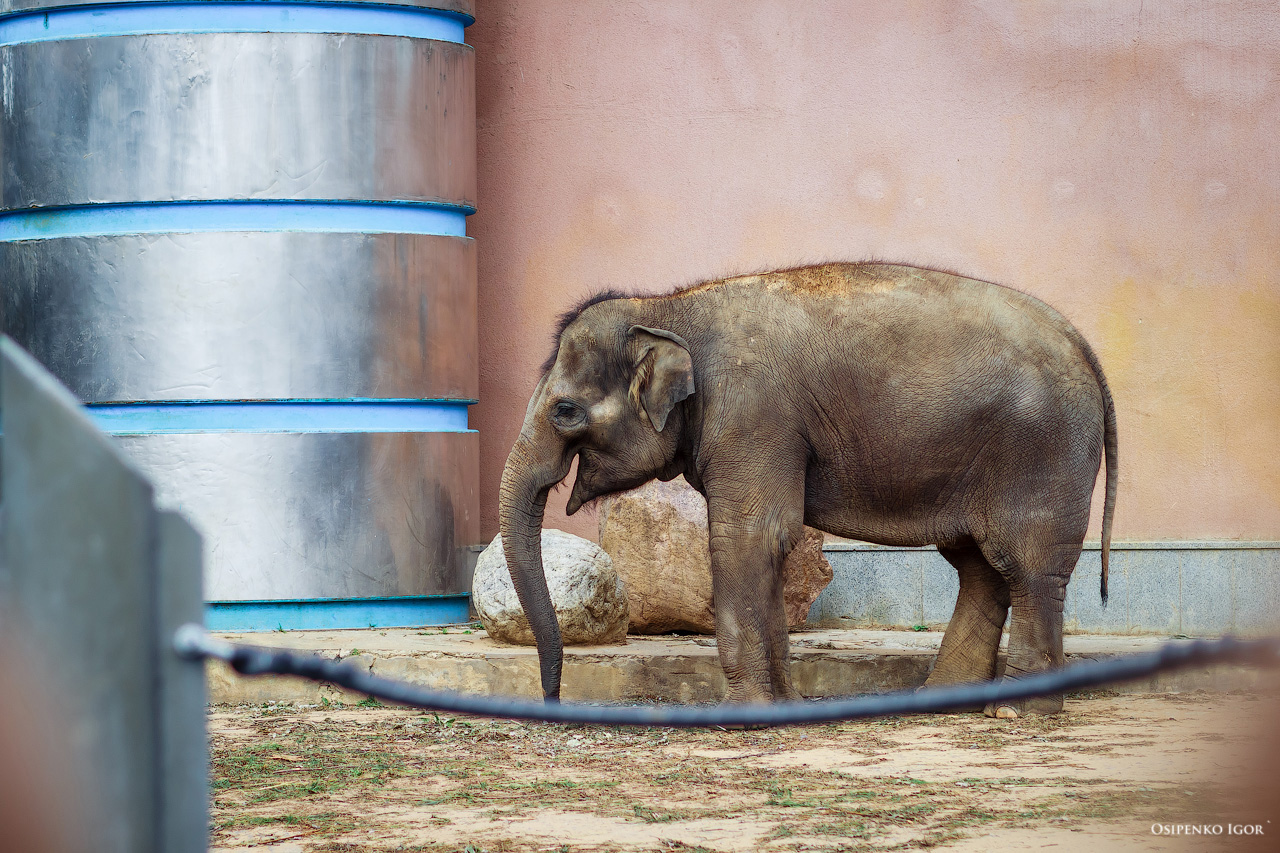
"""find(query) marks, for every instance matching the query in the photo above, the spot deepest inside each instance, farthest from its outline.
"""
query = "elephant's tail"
(1109, 460)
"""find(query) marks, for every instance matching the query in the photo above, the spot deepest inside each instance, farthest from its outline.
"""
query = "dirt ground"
(1096, 778)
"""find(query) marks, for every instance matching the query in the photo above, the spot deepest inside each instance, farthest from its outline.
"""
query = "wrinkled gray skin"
(884, 403)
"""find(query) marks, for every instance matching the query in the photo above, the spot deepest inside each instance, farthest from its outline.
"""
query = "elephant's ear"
(663, 372)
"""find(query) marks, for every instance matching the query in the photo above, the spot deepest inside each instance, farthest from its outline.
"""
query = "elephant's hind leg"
(972, 640)
(1037, 576)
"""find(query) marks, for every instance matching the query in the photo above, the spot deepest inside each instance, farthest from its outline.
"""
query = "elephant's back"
(895, 329)
(898, 294)
(934, 352)
(905, 308)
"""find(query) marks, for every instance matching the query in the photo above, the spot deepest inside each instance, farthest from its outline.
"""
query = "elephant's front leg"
(749, 543)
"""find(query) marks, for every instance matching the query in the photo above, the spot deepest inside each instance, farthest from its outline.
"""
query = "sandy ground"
(1096, 778)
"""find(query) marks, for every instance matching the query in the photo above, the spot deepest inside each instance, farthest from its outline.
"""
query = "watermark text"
(1207, 829)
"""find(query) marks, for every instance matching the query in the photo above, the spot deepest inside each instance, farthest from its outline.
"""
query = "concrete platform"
(825, 663)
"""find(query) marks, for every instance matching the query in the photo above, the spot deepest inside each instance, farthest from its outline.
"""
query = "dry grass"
(381, 779)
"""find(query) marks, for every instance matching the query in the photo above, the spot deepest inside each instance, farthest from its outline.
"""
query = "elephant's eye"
(567, 414)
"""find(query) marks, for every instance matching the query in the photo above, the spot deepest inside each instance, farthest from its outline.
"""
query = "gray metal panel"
(80, 581)
(265, 315)
(462, 7)
(93, 512)
(302, 516)
(180, 696)
(232, 116)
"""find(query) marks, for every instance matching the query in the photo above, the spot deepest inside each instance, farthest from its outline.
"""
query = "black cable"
(193, 643)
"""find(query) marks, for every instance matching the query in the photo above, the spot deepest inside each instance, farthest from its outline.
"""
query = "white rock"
(589, 597)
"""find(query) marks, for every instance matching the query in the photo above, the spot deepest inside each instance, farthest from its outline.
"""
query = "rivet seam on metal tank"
(193, 417)
(173, 217)
(153, 18)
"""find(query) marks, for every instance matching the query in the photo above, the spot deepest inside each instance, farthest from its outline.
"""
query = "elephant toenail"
(1005, 712)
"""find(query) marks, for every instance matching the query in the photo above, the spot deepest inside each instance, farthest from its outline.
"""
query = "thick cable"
(193, 643)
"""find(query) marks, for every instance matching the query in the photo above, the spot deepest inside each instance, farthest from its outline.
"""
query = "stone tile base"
(1170, 588)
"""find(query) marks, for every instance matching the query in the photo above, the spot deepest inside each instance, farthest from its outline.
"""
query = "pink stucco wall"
(1118, 159)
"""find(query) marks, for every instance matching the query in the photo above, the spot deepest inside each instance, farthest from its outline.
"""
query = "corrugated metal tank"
(237, 230)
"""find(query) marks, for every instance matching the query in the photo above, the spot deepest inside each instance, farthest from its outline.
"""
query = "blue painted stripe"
(410, 611)
(171, 217)
(152, 18)
(280, 416)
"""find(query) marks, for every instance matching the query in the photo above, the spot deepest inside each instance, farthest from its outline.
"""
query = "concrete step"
(669, 668)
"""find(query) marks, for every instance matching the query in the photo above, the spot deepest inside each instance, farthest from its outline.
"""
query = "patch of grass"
(648, 815)
(264, 773)
(779, 796)
(544, 787)
(841, 829)
(324, 822)
(451, 797)
(268, 765)
(685, 774)
(984, 740)
(1093, 693)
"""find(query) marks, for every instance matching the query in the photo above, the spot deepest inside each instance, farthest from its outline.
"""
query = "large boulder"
(589, 596)
(657, 537)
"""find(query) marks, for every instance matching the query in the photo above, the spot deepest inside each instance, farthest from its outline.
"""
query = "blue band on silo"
(280, 416)
(154, 18)
(332, 614)
(174, 217)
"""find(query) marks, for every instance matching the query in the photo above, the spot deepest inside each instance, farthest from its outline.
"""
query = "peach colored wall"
(1120, 160)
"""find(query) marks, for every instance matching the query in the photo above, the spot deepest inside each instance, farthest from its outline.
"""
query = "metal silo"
(237, 230)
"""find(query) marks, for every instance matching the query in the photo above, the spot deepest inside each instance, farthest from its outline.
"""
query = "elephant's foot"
(748, 695)
(1040, 705)
(949, 677)
(755, 694)
(941, 678)
(1002, 712)
(783, 690)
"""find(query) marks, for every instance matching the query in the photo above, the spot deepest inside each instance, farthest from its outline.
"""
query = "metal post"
(95, 579)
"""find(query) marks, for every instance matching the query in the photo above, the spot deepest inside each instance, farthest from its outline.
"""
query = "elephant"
(886, 403)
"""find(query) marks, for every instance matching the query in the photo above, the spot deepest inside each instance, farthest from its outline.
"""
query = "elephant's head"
(611, 398)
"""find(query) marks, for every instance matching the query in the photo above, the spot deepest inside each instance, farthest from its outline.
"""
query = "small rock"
(657, 537)
(589, 597)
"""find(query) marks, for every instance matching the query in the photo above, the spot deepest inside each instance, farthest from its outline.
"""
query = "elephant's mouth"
(582, 493)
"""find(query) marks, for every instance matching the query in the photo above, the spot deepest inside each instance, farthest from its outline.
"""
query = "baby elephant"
(884, 403)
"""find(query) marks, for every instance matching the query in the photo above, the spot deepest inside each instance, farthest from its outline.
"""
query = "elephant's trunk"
(522, 501)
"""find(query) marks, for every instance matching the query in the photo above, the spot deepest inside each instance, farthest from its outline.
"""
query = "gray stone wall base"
(1170, 588)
